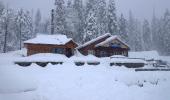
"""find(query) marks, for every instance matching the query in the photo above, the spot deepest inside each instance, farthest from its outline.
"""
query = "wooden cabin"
(105, 46)
(58, 44)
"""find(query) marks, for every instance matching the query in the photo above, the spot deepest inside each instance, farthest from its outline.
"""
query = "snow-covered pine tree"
(123, 28)
(138, 36)
(154, 31)
(146, 34)
(112, 18)
(7, 28)
(70, 19)
(46, 26)
(157, 31)
(29, 29)
(134, 33)
(59, 20)
(166, 32)
(37, 22)
(90, 21)
(24, 26)
(102, 17)
(2, 7)
(79, 25)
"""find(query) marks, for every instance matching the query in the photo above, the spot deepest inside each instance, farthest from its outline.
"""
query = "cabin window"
(58, 50)
(92, 52)
(115, 45)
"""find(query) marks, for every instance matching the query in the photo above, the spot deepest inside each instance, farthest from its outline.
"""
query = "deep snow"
(70, 82)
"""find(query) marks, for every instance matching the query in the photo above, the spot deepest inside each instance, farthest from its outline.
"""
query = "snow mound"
(78, 54)
(145, 55)
(88, 58)
(43, 57)
(127, 60)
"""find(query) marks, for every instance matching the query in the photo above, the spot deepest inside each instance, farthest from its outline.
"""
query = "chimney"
(52, 21)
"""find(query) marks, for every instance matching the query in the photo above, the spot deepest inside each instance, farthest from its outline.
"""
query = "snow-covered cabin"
(105, 46)
(59, 44)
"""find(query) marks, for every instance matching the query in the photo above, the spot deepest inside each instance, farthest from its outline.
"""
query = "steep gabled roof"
(111, 39)
(106, 41)
(49, 39)
(94, 40)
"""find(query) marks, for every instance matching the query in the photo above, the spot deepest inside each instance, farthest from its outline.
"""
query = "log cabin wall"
(109, 51)
(47, 48)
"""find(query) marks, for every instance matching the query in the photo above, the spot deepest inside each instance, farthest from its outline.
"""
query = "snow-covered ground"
(70, 82)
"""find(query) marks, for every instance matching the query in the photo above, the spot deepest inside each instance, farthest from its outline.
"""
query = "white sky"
(140, 8)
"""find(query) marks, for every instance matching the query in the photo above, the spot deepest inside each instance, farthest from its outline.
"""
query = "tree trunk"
(5, 38)
(20, 36)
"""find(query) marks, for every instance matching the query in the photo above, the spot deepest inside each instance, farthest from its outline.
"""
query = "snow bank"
(165, 58)
(88, 58)
(145, 55)
(127, 60)
(43, 57)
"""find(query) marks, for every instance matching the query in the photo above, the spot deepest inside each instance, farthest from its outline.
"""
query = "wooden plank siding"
(110, 51)
(48, 48)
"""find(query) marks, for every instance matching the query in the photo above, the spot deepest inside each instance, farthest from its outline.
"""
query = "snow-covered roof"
(94, 40)
(42, 57)
(107, 40)
(111, 39)
(49, 39)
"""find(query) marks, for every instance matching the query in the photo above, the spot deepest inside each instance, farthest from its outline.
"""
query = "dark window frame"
(58, 50)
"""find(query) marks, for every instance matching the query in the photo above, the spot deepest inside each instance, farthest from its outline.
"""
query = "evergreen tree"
(101, 17)
(7, 28)
(37, 23)
(70, 19)
(147, 41)
(166, 32)
(46, 26)
(79, 24)
(24, 26)
(91, 20)
(123, 28)
(2, 7)
(112, 18)
(134, 33)
(154, 32)
(60, 21)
